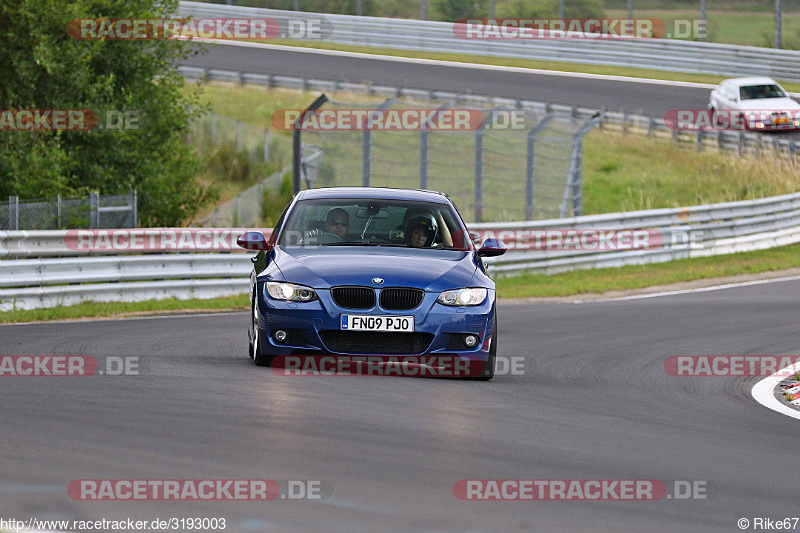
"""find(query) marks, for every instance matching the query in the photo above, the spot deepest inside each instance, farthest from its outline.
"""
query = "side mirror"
(253, 240)
(492, 248)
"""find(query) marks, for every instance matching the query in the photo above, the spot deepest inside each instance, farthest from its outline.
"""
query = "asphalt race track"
(652, 100)
(594, 403)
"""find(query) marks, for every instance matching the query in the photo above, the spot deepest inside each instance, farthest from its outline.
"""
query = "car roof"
(374, 192)
(752, 80)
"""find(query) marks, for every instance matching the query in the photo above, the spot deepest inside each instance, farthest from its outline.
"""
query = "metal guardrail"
(626, 123)
(662, 54)
(705, 230)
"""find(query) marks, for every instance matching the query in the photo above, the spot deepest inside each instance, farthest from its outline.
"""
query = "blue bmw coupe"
(353, 271)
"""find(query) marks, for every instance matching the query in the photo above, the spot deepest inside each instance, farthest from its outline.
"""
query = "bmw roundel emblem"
(377, 281)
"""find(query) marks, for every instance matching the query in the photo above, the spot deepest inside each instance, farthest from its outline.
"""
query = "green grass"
(730, 27)
(636, 277)
(632, 172)
(109, 309)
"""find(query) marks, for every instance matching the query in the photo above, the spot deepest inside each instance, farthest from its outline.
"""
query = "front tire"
(255, 346)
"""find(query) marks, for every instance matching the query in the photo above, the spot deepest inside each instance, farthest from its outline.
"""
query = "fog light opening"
(280, 335)
(471, 341)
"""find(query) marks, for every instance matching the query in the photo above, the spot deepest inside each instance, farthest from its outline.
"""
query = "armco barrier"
(619, 121)
(660, 54)
(186, 273)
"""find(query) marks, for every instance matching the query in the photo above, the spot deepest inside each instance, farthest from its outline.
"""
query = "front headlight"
(290, 291)
(458, 297)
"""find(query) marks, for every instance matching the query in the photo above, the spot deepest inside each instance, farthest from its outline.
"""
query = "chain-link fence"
(493, 172)
(211, 130)
(95, 212)
(246, 209)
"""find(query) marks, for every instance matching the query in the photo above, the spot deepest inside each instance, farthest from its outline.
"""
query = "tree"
(452, 10)
(42, 67)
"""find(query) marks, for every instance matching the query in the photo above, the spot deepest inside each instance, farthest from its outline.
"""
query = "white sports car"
(759, 102)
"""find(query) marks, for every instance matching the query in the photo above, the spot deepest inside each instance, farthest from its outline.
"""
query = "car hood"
(769, 104)
(328, 266)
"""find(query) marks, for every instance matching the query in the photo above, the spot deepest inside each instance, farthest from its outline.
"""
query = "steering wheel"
(323, 237)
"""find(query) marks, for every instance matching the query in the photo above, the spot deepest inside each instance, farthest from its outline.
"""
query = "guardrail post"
(700, 135)
(266, 145)
(792, 152)
(423, 159)
(530, 167)
(297, 143)
(574, 186)
(651, 124)
(577, 182)
(58, 211)
(238, 220)
(366, 158)
(13, 213)
(479, 170)
(93, 213)
(740, 142)
(135, 209)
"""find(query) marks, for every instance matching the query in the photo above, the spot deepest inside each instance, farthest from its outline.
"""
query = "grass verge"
(640, 276)
(522, 286)
(122, 309)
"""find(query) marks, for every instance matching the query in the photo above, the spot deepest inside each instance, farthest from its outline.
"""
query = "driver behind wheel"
(338, 222)
(420, 231)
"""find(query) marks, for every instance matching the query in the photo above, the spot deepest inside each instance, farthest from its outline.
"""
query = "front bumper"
(313, 328)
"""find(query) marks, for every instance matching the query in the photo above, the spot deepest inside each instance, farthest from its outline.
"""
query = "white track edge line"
(689, 291)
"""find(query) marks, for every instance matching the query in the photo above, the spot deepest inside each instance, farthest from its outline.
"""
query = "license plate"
(783, 120)
(377, 323)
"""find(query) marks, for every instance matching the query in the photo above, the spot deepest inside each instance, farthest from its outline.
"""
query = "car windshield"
(757, 92)
(374, 222)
